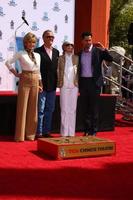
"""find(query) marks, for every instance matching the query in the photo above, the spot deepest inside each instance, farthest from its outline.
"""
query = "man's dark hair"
(44, 33)
(84, 34)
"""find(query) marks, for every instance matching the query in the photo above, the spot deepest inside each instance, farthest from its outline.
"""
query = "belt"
(30, 72)
(87, 78)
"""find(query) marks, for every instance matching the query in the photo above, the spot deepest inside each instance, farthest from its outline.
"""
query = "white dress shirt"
(49, 51)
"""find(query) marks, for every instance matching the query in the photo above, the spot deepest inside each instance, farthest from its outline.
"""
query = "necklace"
(31, 55)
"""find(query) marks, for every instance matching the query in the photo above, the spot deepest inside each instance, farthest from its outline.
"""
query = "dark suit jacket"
(48, 68)
(98, 56)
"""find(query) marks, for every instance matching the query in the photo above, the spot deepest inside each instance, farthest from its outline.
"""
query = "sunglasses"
(50, 37)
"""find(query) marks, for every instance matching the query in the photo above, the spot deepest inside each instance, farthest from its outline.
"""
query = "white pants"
(68, 104)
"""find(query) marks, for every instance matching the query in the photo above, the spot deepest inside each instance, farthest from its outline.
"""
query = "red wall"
(92, 15)
(100, 14)
(82, 20)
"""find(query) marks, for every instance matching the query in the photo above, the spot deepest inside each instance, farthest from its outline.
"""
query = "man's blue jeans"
(46, 105)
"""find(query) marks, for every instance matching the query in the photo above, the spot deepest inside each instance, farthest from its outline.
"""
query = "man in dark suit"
(90, 80)
(46, 104)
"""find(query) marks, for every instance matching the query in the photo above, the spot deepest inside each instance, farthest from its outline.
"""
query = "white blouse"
(69, 72)
(25, 62)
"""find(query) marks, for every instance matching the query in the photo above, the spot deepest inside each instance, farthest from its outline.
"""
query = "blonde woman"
(68, 84)
(26, 117)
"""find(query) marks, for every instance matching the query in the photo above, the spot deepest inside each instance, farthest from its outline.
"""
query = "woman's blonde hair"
(29, 37)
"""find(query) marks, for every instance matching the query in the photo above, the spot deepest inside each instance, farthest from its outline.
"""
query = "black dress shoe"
(86, 133)
(93, 133)
(39, 136)
(47, 135)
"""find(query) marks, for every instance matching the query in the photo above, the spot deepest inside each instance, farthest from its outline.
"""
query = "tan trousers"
(26, 117)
